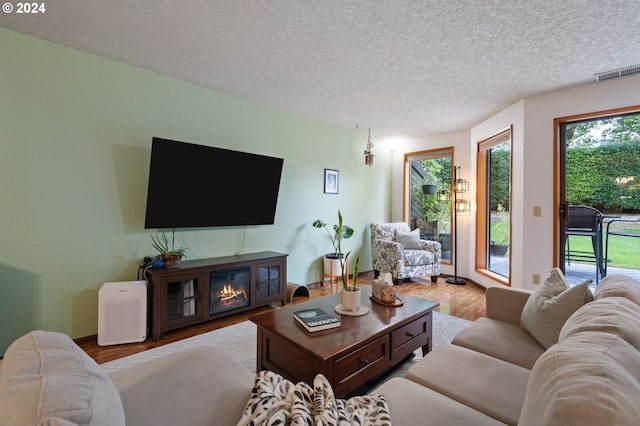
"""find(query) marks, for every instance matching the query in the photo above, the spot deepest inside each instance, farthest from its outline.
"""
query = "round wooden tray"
(398, 302)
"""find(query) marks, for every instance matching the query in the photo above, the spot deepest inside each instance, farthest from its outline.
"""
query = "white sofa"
(46, 379)
(493, 373)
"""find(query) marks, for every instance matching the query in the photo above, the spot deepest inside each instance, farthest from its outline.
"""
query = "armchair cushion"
(409, 240)
(418, 257)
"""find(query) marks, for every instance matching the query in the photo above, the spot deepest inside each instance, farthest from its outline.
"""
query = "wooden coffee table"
(363, 348)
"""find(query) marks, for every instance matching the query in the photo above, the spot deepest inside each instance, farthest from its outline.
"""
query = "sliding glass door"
(426, 174)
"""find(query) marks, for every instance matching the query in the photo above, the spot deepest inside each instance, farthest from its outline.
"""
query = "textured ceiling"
(403, 68)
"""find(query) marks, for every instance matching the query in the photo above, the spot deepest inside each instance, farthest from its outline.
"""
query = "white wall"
(540, 111)
(512, 115)
(533, 172)
(74, 160)
(533, 166)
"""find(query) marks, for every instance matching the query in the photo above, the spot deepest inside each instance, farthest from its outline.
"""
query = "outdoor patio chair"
(619, 233)
(585, 221)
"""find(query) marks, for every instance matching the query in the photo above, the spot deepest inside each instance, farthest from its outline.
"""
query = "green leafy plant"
(432, 209)
(161, 244)
(340, 232)
(355, 274)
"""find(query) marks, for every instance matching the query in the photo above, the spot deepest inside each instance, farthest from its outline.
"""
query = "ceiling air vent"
(622, 72)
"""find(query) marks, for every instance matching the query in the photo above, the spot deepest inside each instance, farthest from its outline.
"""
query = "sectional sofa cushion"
(589, 378)
(550, 305)
(501, 399)
(618, 286)
(615, 315)
(502, 340)
(46, 379)
(413, 404)
(214, 388)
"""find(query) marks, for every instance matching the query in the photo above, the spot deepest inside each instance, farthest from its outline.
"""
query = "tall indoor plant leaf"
(340, 232)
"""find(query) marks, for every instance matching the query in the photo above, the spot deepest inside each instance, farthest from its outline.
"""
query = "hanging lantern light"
(368, 155)
(443, 194)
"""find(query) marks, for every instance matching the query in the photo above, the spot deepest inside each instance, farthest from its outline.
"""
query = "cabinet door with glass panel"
(270, 281)
(183, 299)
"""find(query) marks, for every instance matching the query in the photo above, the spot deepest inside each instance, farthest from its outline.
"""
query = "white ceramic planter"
(350, 300)
(332, 267)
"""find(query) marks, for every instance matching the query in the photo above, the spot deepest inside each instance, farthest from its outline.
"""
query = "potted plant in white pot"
(340, 232)
(351, 296)
(171, 257)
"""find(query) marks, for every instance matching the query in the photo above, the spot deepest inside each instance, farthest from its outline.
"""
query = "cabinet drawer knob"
(364, 362)
(411, 335)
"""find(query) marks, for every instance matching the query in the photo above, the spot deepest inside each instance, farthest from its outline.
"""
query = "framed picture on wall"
(330, 181)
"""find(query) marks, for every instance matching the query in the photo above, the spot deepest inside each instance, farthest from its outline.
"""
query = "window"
(426, 173)
(494, 205)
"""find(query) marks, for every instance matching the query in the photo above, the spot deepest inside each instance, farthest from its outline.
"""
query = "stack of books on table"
(316, 319)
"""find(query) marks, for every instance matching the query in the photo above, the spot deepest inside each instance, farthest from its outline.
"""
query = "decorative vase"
(350, 299)
(171, 260)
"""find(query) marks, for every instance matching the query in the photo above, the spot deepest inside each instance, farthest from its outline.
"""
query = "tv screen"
(195, 185)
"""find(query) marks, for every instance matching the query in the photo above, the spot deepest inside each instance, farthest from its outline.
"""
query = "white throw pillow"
(550, 305)
(409, 240)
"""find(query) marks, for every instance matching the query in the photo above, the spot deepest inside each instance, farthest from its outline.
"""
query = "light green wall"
(75, 138)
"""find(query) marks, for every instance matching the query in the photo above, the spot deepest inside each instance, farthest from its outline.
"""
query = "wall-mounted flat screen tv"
(200, 186)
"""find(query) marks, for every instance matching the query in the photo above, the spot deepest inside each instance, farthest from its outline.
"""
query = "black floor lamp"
(460, 205)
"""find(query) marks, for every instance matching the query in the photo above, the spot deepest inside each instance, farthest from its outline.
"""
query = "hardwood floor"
(466, 301)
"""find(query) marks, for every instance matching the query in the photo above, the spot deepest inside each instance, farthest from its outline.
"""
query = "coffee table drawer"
(351, 371)
(410, 337)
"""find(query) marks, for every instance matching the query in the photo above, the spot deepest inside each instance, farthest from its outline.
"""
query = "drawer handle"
(364, 362)
(411, 335)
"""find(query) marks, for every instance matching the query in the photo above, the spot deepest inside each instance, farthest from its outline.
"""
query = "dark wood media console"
(202, 290)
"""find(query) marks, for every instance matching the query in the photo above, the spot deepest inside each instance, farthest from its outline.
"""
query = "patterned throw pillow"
(277, 401)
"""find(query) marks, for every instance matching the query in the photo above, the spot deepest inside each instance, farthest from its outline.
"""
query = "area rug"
(239, 341)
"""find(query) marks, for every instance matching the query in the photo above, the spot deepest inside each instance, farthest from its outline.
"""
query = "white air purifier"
(122, 312)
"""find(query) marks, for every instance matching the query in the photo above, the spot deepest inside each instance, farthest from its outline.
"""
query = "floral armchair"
(400, 252)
